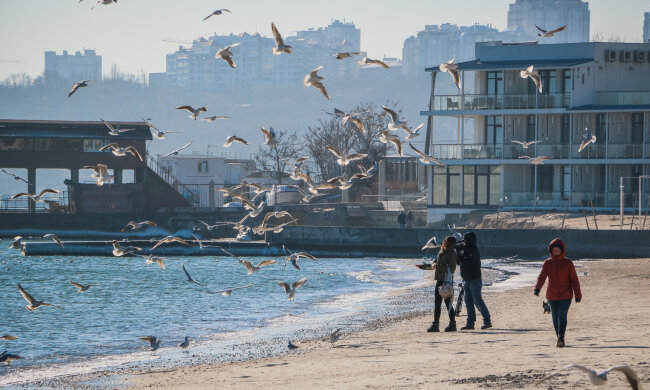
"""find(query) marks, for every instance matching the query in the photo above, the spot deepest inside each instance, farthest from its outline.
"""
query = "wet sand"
(609, 327)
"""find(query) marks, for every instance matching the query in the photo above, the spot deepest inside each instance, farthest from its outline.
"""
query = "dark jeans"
(473, 297)
(438, 307)
(559, 311)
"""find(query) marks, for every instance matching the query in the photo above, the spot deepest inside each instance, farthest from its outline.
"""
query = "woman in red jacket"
(562, 284)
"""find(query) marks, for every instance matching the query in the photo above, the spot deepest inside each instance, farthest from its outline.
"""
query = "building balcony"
(499, 102)
(557, 151)
(638, 98)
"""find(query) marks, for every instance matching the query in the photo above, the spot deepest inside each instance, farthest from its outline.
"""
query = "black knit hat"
(450, 240)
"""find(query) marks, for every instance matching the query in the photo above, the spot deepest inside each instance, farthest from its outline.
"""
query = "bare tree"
(275, 159)
(18, 80)
(600, 37)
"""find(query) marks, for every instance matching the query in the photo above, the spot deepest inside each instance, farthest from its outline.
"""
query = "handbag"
(446, 290)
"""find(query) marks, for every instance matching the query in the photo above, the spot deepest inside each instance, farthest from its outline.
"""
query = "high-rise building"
(525, 15)
(69, 67)
(646, 27)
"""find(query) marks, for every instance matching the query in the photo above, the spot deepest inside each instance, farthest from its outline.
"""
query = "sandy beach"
(609, 327)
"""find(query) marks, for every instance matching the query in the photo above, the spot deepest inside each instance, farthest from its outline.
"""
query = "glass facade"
(481, 185)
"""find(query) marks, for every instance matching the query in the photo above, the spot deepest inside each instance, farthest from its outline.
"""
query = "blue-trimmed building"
(601, 86)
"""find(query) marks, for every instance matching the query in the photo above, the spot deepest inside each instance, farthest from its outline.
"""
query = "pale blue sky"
(130, 32)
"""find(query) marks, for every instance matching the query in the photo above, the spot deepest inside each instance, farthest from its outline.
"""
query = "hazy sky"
(130, 32)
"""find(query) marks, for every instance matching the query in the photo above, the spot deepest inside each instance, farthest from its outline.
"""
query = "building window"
(637, 127)
(601, 126)
(469, 192)
(453, 195)
(494, 83)
(93, 145)
(530, 128)
(202, 166)
(544, 180)
(565, 130)
(566, 84)
(494, 130)
(566, 182)
(548, 82)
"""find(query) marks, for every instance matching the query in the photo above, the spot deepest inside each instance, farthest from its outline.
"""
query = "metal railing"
(48, 204)
(173, 181)
(513, 151)
(499, 102)
(615, 98)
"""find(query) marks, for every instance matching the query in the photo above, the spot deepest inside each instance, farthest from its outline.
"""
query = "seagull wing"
(18, 195)
(306, 255)
(265, 262)
(189, 109)
(109, 146)
(319, 86)
(537, 79)
(556, 30)
(390, 112)
(134, 152)
(180, 240)
(455, 75)
(541, 29)
(285, 286)
(298, 283)
(334, 151)
(357, 122)
(630, 375)
(276, 35)
(77, 285)
(26, 295)
(189, 277)
(54, 238)
(398, 144)
(47, 191)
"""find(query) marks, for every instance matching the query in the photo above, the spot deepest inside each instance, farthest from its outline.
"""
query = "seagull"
(189, 278)
(7, 358)
(395, 122)
(452, 229)
(215, 117)
(54, 238)
(234, 138)
(280, 47)
(536, 160)
(198, 240)
(16, 177)
(424, 158)
(170, 239)
(226, 54)
(195, 112)
(589, 138)
(158, 134)
(104, 2)
(344, 159)
(154, 342)
(357, 122)
(8, 337)
(524, 145)
(534, 75)
(217, 13)
(100, 172)
(269, 136)
(229, 191)
(600, 378)
(35, 198)
(294, 257)
(314, 80)
(386, 137)
(132, 225)
(307, 197)
(368, 173)
(291, 289)
(229, 291)
(292, 345)
(119, 251)
(17, 243)
(335, 336)
(82, 287)
(366, 60)
(185, 343)
(410, 134)
(175, 151)
(33, 304)
(112, 130)
(119, 151)
(452, 68)
(431, 244)
(77, 85)
(150, 259)
(343, 55)
(547, 34)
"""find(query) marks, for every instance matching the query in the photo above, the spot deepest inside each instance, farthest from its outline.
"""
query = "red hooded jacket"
(562, 278)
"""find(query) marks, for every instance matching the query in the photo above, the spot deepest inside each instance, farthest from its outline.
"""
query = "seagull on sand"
(77, 85)
(314, 80)
(410, 134)
(33, 304)
(217, 13)
(344, 159)
(431, 244)
(189, 277)
(226, 55)
(589, 138)
(523, 144)
(150, 259)
(169, 240)
(395, 122)
(82, 287)
(54, 238)
(346, 54)
(8, 337)
(35, 198)
(386, 137)
(280, 47)
(452, 68)
(234, 138)
(534, 75)
(175, 151)
(132, 225)
(215, 117)
(335, 336)
(119, 151)
(119, 250)
(600, 378)
(536, 160)
(17, 243)
(547, 34)
(7, 358)
(424, 159)
(195, 112)
(112, 130)
(292, 345)
(185, 343)
(229, 291)
(291, 289)
(154, 342)
(294, 257)
(366, 61)
(269, 136)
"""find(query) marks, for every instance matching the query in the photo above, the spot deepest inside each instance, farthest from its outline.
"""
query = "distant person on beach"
(401, 219)
(563, 283)
(446, 259)
(410, 219)
(469, 259)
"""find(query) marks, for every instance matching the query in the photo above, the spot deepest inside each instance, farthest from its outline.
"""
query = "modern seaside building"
(523, 15)
(646, 27)
(69, 67)
(604, 87)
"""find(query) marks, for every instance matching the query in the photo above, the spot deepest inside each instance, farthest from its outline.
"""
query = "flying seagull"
(452, 68)
(424, 158)
(112, 130)
(523, 144)
(54, 238)
(280, 46)
(175, 151)
(119, 251)
(534, 75)
(344, 159)
(16, 177)
(229, 291)
(132, 225)
(104, 2)
(33, 304)
(386, 137)
(154, 342)
(7, 358)
(294, 257)
(536, 160)
(234, 138)
(150, 259)
(343, 55)
(269, 137)
(77, 85)
(100, 172)
(314, 80)
(600, 378)
(82, 287)
(589, 138)
(35, 198)
(366, 60)
(395, 122)
(410, 134)
(189, 277)
(169, 240)
(217, 13)
(431, 244)
(215, 117)
(194, 112)
(547, 34)
(226, 55)
(119, 151)
(17, 243)
(158, 134)
(290, 290)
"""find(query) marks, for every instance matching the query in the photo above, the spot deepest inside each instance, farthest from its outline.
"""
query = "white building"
(646, 27)
(523, 15)
(604, 87)
(68, 67)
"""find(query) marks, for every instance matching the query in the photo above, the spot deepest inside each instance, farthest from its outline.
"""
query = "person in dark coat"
(410, 219)
(469, 259)
(446, 259)
(401, 219)
(563, 283)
